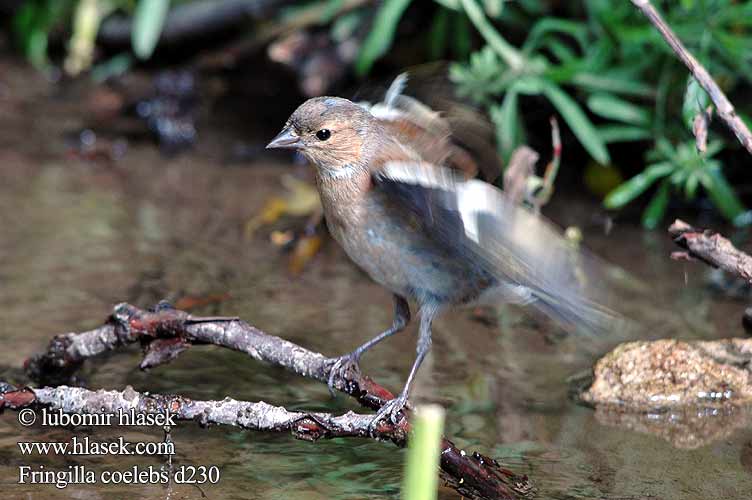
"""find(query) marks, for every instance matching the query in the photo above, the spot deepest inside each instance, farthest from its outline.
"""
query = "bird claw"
(392, 410)
(339, 369)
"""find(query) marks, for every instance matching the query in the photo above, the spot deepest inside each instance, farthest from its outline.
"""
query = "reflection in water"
(77, 237)
(684, 428)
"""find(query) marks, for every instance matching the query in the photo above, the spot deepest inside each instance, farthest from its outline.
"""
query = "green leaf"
(722, 194)
(115, 66)
(506, 119)
(657, 207)
(330, 10)
(36, 49)
(494, 8)
(679, 176)
(449, 4)
(462, 36)
(623, 133)
(560, 50)
(713, 148)
(581, 126)
(637, 185)
(611, 107)
(695, 102)
(547, 25)
(32, 24)
(690, 186)
(148, 21)
(666, 150)
(380, 37)
(437, 37)
(529, 85)
(616, 85)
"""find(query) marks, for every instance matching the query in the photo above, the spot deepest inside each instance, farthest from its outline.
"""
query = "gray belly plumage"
(398, 255)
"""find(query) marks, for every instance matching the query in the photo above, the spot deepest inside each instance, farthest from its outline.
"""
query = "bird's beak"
(287, 139)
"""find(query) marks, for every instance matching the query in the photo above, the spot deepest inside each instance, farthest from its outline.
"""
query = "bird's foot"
(391, 411)
(342, 365)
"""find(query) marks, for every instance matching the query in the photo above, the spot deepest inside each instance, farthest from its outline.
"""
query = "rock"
(672, 373)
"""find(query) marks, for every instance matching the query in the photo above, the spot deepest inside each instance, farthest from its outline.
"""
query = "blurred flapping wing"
(479, 222)
(431, 133)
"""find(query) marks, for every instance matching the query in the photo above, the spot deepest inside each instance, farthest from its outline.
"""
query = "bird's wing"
(479, 222)
(422, 129)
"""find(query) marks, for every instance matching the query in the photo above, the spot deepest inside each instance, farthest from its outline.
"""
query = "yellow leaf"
(302, 198)
(305, 249)
(272, 211)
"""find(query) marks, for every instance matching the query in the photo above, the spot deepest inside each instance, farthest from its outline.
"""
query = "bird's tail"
(581, 316)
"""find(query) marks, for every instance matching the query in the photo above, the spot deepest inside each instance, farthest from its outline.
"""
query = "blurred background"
(132, 168)
(626, 102)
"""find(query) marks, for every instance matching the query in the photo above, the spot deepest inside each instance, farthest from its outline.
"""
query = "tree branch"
(167, 332)
(711, 248)
(259, 416)
(723, 105)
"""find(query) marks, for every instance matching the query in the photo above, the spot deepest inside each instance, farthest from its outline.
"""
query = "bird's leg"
(393, 407)
(350, 361)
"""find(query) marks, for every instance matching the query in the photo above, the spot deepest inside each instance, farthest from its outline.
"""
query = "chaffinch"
(427, 232)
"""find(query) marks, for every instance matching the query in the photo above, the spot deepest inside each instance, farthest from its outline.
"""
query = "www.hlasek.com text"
(87, 446)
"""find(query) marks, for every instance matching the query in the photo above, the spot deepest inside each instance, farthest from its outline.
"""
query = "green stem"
(507, 52)
(421, 478)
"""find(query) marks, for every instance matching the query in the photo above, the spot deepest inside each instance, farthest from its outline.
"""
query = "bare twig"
(520, 182)
(725, 108)
(166, 332)
(258, 416)
(700, 125)
(552, 169)
(519, 172)
(711, 248)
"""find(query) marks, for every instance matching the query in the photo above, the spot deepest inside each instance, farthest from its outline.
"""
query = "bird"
(400, 198)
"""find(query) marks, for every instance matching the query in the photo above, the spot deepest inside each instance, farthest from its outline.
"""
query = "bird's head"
(333, 133)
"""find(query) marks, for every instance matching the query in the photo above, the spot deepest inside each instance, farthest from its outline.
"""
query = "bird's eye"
(323, 134)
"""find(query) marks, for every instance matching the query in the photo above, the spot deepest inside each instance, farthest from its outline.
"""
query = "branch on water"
(166, 332)
(258, 416)
(711, 248)
(725, 109)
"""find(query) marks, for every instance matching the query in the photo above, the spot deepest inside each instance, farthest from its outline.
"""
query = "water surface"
(78, 236)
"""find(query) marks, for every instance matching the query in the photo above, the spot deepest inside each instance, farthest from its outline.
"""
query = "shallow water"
(78, 236)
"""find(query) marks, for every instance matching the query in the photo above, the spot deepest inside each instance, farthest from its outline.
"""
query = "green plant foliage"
(696, 100)
(614, 108)
(507, 120)
(578, 122)
(681, 169)
(653, 214)
(599, 64)
(148, 21)
(606, 58)
(33, 23)
(380, 38)
(79, 20)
